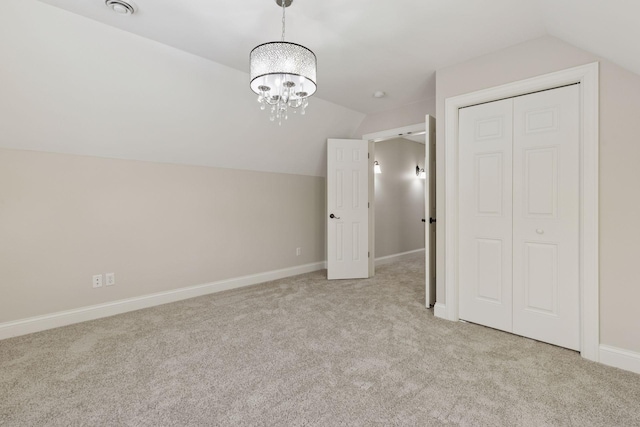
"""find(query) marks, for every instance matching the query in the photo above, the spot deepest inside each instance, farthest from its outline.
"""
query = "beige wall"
(406, 115)
(64, 218)
(619, 171)
(399, 197)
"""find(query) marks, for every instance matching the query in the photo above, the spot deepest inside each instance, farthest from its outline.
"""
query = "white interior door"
(347, 209)
(546, 222)
(485, 222)
(430, 211)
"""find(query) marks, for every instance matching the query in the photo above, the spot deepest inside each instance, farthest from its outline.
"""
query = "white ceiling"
(71, 85)
(361, 45)
(368, 45)
(74, 85)
(608, 28)
(416, 138)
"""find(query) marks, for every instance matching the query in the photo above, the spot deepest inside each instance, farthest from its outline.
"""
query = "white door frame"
(587, 76)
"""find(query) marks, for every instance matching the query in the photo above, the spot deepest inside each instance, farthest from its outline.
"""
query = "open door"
(430, 211)
(347, 209)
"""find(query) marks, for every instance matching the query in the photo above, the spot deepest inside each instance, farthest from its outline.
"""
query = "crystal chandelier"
(283, 74)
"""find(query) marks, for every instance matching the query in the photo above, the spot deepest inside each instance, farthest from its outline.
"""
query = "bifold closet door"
(546, 209)
(484, 216)
(519, 215)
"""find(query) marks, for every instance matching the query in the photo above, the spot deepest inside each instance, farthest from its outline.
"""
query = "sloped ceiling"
(361, 45)
(610, 29)
(71, 85)
(173, 86)
(368, 45)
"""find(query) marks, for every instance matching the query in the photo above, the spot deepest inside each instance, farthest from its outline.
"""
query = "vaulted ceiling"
(173, 86)
(368, 45)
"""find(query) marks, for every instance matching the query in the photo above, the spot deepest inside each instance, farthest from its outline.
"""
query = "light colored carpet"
(304, 351)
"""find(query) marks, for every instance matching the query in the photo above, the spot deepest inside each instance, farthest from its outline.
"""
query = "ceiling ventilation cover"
(121, 7)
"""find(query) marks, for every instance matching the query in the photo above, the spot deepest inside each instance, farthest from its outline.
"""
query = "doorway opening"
(399, 198)
(404, 198)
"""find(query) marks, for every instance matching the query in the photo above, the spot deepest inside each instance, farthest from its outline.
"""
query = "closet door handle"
(539, 231)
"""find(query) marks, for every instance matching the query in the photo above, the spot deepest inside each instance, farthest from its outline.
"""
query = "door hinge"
(368, 254)
(368, 205)
(368, 155)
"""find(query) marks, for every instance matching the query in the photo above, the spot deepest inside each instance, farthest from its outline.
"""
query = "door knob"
(333, 216)
(539, 231)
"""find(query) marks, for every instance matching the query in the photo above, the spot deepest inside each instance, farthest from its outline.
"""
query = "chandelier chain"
(284, 7)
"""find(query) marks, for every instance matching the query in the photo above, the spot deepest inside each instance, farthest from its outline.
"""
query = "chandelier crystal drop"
(283, 74)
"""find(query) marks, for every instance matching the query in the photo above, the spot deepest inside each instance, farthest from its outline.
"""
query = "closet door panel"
(546, 216)
(485, 227)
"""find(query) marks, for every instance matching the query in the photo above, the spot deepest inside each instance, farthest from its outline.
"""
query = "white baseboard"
(68, 317)
(619, 358)
(397, 257)
(440, 310)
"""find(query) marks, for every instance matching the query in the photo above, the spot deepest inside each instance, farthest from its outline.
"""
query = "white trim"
(397, 257)
(440, 310)
(372, 209)
(395, 133)
(68, 317)
(587, 76)
(619, 358)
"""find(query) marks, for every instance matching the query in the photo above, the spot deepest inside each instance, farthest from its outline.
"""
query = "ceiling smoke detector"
(121, 7)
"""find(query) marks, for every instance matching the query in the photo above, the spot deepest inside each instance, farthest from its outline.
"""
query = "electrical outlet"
(110, 279)
(298, 251)
(97, 281)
